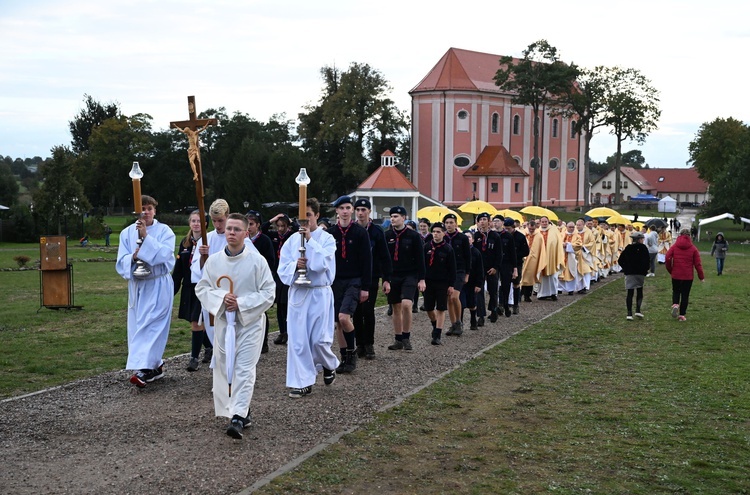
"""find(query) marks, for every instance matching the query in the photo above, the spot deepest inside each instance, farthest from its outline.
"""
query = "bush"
(21, 260)
(94, 227)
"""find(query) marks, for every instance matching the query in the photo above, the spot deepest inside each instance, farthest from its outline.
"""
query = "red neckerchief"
(449, 236)
(194, 242)
(343, 237)
(434, 248)
(282, 240)
(484, 239)
(398, 237)
(255, 237)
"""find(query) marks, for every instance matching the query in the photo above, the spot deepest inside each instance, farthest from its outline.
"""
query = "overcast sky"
(263, 57)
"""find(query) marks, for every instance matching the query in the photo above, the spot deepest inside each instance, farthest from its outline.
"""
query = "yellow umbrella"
(476, 207)
(436, 214)
(512, 214)
(638, 225)
(618, 219)
(538, 211)
(602, 211)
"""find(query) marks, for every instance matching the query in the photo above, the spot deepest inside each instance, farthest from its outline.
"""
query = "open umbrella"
(512, 214)
(539, 211)
(602, 211)
(658, 222)
(436, 214)
(476, 207)
(230, 337)
(618, 219)
(638, 225)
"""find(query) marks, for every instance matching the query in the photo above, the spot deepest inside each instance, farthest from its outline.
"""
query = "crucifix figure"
(191, 128)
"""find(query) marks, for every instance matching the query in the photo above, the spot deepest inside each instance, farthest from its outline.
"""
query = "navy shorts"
(436, 295)
(402, 288)
(459, 283)
(346, 295)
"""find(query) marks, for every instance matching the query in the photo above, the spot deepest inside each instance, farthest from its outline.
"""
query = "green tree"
(92, 115)
(632, 110)
(353, 114)
(540, 79)
(113, 146)
(730, 192)
(714, 146)
(8, 186)
(60, 197)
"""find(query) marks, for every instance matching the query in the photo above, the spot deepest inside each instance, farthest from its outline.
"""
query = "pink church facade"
(470, 142)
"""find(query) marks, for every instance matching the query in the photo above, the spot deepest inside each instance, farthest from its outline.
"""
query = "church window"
(516, 187)
(463, 121)
(554, 164)
(516, 125)
(572, 129)
(495, 123)
(572, 164)
(555, 125)
(461, 161)
(493, 187)
(518, 160)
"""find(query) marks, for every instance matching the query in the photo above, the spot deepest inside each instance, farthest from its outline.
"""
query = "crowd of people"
(328, 290)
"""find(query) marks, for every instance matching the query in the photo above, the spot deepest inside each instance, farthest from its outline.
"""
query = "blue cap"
(399, 210)
(483, 215)
(342, 201)
(509, 222)
(363, 203)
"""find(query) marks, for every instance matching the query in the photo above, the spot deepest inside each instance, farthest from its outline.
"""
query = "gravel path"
(102, 435)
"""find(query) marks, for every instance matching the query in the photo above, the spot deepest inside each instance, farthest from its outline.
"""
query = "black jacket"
(410, 252)
(353, 253)
(634, 259)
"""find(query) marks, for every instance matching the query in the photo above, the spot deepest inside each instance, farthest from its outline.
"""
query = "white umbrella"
(229, 337)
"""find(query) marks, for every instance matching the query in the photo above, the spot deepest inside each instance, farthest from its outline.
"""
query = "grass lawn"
(584, 402)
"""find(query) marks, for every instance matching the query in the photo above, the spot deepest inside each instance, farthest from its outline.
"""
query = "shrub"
(21, 260)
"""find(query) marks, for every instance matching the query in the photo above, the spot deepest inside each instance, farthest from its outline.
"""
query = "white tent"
(4, 207)
(704, 221)
(667, 204)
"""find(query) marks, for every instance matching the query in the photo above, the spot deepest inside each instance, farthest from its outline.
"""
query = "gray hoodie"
(720, 246)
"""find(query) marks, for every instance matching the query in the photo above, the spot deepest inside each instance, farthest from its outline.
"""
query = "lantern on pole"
(141, 271)
(303, 180)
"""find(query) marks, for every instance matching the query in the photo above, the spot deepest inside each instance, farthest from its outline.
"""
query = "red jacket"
(682, 257)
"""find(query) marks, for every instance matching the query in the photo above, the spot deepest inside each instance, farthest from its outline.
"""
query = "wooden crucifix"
(191, 128)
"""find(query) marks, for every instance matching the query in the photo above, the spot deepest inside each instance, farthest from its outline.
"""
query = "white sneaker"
(639, 315)
(629, 318)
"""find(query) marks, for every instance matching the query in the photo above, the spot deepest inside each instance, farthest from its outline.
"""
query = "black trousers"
(506, 279)
(492, 288)
(364, 318)
(681, 294)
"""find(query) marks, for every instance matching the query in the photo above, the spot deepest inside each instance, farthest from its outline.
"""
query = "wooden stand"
(56, 274)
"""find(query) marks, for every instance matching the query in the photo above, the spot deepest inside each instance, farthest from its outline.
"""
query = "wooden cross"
(191, 128)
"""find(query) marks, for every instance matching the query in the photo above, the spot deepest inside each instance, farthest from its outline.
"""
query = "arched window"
(495, 123)
(555, 125)
(573, 129)
(516, 125)
(572, 164)
(518, 160)
(463, 121)
(461, 161)
(554, 164)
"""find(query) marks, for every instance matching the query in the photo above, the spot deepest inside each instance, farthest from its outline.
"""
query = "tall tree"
(8, 186)
(585, 103)
(92, 115)
(632, 110)
(714, 146)
(353, 113)
(729, 191)
(60, 196)
(540, 79)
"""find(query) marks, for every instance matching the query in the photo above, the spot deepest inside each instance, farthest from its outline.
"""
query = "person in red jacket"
(681, 261)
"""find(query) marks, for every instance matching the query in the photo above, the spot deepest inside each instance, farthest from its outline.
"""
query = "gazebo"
(388, 187)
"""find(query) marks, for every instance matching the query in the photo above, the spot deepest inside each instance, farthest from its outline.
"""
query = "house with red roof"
(469, 141)
(682, 184)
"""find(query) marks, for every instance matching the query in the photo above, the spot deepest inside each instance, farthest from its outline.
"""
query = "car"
(186, 210)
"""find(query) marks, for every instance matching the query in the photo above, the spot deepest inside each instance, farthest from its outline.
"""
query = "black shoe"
(515, 310)
(139, 379)
(407, 344)
(583, 291)
(369, 351)
(507, 311)
(396, 346)
(493, 317)
(195, 363)
(554, 298)
(208, 354)
(264, 349)
(153, 375)
(480, 322)
(473, 326)
(545, 298)
(421, 308)
(459, 329)
(414, 309)
(390, 310)
(235, 427)
(298, 393)
(435, 337)
(527, 299)
(361, 351)
(281, 339)
(570, 293)
(329, 376)
(436, 341)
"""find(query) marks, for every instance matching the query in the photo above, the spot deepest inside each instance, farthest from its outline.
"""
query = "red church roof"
(387, 178)
(675, 180)
(462, 69)
(495, 161)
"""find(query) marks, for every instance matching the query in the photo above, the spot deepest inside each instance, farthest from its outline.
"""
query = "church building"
(470, 142)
